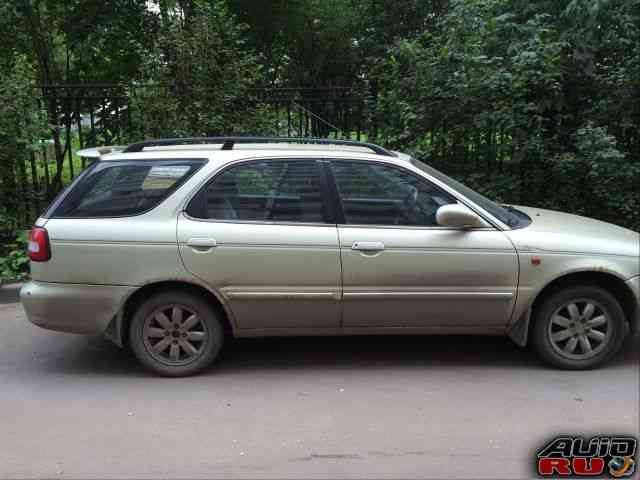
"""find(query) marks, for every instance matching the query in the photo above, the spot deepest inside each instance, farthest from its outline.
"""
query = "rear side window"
(119, 189)
(266, 190)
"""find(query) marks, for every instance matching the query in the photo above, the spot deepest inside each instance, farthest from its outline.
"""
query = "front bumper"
(72, 308)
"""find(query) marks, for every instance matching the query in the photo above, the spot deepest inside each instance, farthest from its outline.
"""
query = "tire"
(575, 338)
(175, 334)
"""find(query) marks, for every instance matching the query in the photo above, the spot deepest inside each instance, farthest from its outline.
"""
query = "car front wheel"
(175, 334)
(578, 327)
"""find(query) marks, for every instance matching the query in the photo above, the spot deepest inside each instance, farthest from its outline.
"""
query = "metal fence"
(101, 114)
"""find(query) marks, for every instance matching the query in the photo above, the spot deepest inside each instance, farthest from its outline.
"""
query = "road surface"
(394, 407)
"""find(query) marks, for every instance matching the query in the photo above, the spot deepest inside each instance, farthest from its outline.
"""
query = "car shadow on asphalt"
(441, 351)
(98, 356)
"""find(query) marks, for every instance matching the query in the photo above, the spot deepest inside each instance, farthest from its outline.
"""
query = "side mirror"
(458, 216)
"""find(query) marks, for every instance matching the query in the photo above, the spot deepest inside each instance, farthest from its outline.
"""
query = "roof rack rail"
(229, 142)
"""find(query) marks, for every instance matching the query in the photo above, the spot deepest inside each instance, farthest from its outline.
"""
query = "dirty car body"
(281, 238)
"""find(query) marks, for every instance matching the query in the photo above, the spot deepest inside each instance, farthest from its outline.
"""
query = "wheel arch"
(616, 286)
(118, 328)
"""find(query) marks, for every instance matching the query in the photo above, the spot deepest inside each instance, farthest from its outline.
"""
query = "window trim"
(324, 183)
(342, 218)
(101, 165)
(333, 193)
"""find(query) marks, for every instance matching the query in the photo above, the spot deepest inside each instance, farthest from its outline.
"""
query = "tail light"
(39, 246)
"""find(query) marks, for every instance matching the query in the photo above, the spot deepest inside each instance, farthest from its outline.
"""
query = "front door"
(259, 234)
(400, 269)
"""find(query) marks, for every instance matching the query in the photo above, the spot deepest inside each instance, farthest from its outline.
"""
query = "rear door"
(261, 233)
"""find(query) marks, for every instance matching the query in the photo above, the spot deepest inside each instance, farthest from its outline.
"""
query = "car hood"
(563, 232)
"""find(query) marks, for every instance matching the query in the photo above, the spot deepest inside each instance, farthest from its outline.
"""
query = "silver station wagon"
(174, 246)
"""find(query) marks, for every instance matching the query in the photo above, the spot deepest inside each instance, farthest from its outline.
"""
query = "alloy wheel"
(580, 329)
(174, 335)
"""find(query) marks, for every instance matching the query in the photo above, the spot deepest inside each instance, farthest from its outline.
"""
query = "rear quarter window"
(122, 189)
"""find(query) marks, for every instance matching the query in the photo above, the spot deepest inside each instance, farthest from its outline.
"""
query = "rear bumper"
(72, 308)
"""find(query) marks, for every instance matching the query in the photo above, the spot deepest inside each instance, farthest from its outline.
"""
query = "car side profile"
(173, 246)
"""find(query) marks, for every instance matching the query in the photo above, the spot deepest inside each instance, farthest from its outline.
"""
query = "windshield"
(508, 215)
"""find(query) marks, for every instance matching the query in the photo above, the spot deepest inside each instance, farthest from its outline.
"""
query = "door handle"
(201, 242)
(368, 246)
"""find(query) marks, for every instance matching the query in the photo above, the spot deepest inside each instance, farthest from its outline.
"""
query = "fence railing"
(82, 116)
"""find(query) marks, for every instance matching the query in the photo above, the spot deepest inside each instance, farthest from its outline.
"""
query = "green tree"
(108, 39)
(303, 43)
(22, 127)
(198, 78)
(506, 93)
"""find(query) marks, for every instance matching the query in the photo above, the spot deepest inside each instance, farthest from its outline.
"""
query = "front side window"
(266, 190)
(508, 215)
(118, 189)
(376, 194)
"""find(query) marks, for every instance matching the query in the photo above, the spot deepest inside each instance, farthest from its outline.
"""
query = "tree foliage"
(197, 79)
(533, 103)
(22, 125)
(529, 102)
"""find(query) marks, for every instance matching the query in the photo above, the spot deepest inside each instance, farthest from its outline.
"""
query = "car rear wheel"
(578, 328)
(175, 334)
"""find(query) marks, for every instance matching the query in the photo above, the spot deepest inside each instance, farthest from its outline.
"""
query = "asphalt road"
(420, 407)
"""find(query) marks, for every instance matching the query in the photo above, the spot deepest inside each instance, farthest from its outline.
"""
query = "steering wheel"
(411, 199)
(408, 205)
(229, 213)
(415, 212)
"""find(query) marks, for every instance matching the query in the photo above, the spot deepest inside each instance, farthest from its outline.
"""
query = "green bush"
(14, 262)
(531, 103)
